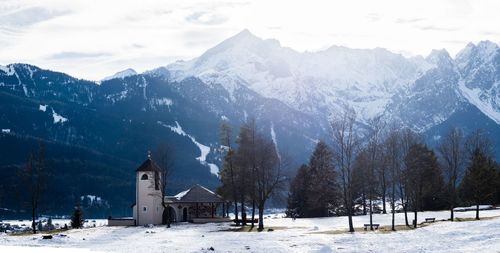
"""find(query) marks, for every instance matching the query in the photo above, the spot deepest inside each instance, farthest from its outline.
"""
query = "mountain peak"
(439, 57)
(240, 43)
(243, 37)
(244, 33)
(487, 44)
(121, 74)
(483, 50)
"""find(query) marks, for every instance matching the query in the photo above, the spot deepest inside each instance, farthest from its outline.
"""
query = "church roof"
(148, 165)
(199, 194)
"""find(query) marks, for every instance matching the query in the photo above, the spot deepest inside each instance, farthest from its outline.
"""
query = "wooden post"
(197, 215)
(212, 208)
(223, 210)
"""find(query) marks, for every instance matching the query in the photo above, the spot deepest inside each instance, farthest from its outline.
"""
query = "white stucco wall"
(148, 198)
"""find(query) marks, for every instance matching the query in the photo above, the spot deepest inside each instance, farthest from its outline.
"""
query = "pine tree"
(314, 191)
(423, 178)
(322, 195)
(297, 198)
(479, 183)
(77, 218)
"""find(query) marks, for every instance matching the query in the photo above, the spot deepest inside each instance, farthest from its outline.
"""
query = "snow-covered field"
(301, 235)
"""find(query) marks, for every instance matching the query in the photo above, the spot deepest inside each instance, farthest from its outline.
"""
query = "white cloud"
(92, 38)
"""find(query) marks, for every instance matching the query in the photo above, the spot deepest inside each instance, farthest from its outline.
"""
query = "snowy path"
(301, 235)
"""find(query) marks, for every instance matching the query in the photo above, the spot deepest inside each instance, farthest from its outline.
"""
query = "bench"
(375, 226)
(429, 220)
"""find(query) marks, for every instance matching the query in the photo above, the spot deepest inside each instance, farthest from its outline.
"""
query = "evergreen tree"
(322, 195)
(297, 198)
(77, 218)
(423, 179)
(314, 190)
(479, 183)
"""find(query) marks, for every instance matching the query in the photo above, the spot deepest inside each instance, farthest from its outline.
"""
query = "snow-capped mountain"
(316, 82)
(479, 66)
(121, 74)
(418, 92)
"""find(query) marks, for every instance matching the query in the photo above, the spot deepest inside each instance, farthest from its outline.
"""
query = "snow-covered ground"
(301, 235)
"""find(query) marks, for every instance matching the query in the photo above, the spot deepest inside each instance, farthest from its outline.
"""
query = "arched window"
(144, 177)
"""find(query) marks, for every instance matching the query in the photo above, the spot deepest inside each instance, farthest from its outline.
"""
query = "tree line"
(394, 166)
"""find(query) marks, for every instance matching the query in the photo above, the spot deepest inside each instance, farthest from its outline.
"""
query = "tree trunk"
(33, 222)
(393, 225)
(261, 217)
(452, 202)
(384, 211)
(393, 207)
(236, 212)
(371, 214)
(406, 213)
(243, 212)
(415, 220)
(351, 226)
(349, 214)
(477, 211)
(253, 213)
(452, 216)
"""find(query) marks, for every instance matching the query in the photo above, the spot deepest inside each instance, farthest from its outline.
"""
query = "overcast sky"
(95, 38)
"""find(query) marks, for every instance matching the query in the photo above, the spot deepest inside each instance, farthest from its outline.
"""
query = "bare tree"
(164, 157)
(33, 182)
(225, 140)
(345, 145)
(408, 138)
(392, 151)
(246, 166)
(452, 154)
(269, 174)
(373, 150)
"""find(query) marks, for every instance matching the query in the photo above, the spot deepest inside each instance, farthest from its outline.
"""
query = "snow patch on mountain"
(42, 108)
(275, 141)
(9, 70)
(4, 69)
(58, 118)
(474, 97)
(204, 150)
(160, 102)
